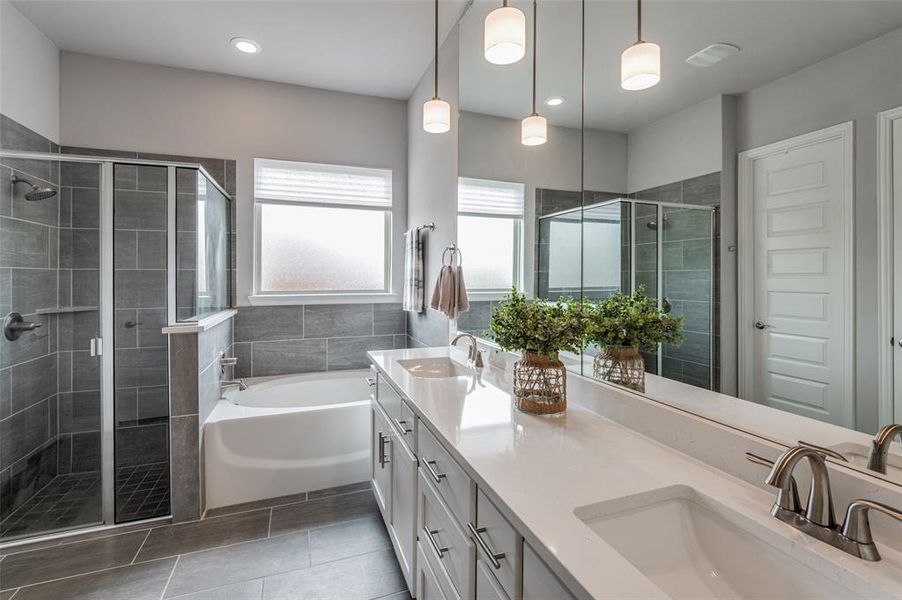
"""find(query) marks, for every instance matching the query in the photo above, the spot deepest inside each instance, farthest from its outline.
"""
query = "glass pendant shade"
(640, 66)
(436, 116)
(505, 35)
(533, 131)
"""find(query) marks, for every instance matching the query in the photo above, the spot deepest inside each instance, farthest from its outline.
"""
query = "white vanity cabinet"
(394, 474)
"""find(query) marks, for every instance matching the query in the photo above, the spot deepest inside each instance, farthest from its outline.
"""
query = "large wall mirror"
(751, 191)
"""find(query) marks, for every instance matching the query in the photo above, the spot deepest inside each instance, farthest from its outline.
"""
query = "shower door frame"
(106, 306)
(659, 242)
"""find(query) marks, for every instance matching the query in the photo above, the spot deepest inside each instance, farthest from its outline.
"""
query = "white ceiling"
(376, 47)
(776, 37)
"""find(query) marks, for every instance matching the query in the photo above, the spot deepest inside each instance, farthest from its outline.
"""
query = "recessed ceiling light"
(713, 54)
(246, 45)
(554, 100)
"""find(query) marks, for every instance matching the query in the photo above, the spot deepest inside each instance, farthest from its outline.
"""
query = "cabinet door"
(428, 587)
(487, 587)
(539, 583)
(382, 466)
(403, 509)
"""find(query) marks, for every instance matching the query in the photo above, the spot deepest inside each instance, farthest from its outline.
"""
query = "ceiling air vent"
(713, 54)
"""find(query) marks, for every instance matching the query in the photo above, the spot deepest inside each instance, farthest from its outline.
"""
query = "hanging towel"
(450, 293)
(414, 287)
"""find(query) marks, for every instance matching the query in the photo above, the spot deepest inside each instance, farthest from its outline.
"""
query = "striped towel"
(414, 288)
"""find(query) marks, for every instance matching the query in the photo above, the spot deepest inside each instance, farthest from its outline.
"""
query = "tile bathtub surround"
(282, 340)
(195, 382)
(333, 545)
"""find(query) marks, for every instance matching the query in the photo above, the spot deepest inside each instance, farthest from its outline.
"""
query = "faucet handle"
(857, 527)
(790, 502)
(825, 451)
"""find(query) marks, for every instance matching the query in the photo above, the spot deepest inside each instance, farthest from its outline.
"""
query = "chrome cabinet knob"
(762, 325)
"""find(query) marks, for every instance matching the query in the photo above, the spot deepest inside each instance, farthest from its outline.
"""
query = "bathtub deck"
(330, 543)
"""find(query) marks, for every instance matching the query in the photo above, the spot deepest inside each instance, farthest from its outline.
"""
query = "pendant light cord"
(534, 54)
(435, 62)
(638, 21)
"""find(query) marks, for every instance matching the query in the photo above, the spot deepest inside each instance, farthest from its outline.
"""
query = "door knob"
(762, 325)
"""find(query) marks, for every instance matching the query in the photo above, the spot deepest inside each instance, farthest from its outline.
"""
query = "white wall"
(122, 105)
(852, 86)
(684, 144)
(490, 148)
(432, 182)
(29, 74)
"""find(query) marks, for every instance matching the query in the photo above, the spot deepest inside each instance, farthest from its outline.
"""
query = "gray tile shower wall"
(687, 254)
(280, 340)
(29, 255)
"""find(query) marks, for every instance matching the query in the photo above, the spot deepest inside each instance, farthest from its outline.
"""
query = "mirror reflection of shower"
(37, 192)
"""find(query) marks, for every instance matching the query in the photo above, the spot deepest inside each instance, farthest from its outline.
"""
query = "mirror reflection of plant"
(632, 320)
(534, 325)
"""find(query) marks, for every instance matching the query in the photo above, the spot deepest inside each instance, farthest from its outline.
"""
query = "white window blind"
(322, 184)
(485, 197)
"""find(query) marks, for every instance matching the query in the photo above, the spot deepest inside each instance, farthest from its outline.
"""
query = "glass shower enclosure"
(627, 244)
(87, 284)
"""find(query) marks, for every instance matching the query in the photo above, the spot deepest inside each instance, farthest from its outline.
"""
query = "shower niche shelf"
(65, 309)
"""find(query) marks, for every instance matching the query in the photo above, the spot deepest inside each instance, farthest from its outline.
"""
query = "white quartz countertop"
(538, 470)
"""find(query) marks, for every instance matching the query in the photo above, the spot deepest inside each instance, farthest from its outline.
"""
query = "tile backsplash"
(281, 340)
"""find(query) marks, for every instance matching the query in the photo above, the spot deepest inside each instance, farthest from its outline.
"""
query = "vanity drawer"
(499, 544)
(439, 468)
(539, 583)
(387, 397)
(406, 426)
(487, 587)
(451, 551)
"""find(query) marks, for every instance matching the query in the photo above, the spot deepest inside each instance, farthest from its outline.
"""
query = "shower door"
(50, 364)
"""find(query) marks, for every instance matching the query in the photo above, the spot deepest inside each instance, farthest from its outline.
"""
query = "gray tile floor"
(330, 544)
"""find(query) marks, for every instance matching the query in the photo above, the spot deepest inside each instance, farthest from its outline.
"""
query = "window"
(322, 229)
(490, 232)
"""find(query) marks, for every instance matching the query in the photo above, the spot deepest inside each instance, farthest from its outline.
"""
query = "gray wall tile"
(151, 249)
(140, 210)
(337, 320)
(79, 411)
(262, 323)
(23, 244)
(33, 381)
(22, 433)
(32, 289)
(125, 249)
(389, 318)
(296, 356)
(79, 248)
(153, 404)
(185, 491)
(210, 391)
(85, 452)
(703, 190)
(184, 372)
(142, 445)
(85, 207)
(15, 136)
(140, 288)
(350, 353)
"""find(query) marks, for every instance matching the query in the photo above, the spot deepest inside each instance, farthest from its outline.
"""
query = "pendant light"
(436, 112)
(640, 64)
(534, 128)
(505, 35)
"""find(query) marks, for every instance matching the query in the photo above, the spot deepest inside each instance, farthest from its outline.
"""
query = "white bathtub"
(287, 435)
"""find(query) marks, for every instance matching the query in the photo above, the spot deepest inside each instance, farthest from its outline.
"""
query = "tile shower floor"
(328, 544)
(73, 500)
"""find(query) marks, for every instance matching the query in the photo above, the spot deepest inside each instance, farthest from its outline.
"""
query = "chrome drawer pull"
(370, 381)
(475, 534)
(429, 535)
(402, 425)
(382, 459)
(435, 475)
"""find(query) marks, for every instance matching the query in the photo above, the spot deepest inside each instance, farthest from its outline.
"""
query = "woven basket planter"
(622, 365)
(540, 384)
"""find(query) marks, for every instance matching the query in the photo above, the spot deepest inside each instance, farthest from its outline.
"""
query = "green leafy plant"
(632, 320)
(533, 325)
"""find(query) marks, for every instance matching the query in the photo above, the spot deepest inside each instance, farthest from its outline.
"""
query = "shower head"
(36, 193)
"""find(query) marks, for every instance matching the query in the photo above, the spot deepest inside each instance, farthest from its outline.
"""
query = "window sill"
(289, 299)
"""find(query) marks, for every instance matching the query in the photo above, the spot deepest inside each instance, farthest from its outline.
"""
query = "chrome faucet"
(474, 357)
(880, 447)
(817, 520)
(242, 385)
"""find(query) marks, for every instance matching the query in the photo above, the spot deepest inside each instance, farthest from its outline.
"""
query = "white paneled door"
(797, 316)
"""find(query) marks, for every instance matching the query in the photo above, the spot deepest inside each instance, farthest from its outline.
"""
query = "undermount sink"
(687, 547)
(857, 454)
(434, 368)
